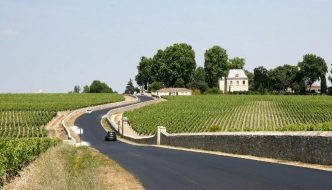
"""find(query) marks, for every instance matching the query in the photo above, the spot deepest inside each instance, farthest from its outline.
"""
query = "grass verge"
(68, 167)
(106, 125)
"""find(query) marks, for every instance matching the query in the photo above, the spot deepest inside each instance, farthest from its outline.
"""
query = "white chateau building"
(236, 81)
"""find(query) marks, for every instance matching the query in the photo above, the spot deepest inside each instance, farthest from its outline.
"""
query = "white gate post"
(161, 129)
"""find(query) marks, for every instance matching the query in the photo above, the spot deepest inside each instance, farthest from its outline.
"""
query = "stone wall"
(302, 148)
(146, 140)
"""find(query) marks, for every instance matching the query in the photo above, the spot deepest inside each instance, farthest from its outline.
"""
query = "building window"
(244, 82)
(237, 82)
(237, 75)
(231, 82)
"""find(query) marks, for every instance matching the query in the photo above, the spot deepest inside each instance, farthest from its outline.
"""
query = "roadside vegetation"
(215, 113)
(17, 153)
(66, 167)
(22, 120)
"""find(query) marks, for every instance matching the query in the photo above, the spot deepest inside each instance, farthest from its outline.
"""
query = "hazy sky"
(54, 45)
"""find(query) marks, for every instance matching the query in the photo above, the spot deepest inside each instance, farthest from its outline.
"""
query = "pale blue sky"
(53, 45)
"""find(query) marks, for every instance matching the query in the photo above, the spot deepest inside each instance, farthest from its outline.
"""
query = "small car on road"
(110, 136)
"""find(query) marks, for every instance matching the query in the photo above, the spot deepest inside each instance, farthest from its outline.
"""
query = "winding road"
(160, 168)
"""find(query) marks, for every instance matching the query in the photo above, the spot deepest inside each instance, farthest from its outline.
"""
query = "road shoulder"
(68, 167)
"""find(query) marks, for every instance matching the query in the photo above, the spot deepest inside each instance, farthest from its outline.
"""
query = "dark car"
(110, 136)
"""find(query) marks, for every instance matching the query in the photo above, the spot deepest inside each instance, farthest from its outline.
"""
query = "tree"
(180, 63)
(86, 89)
(179, 83)
(158, 61)
(100, 87)
(250, 76)
(282, 77)
(143, 78)
(176, 62)
(298, 84)
(130, 89)
(313, 68)
(199, 75)
(236, 63)
(137, 90)
(77, 89)
(156, 86)
(198, 81)
(323, 85)
(260, 79)
(216, 65)
(201, 86)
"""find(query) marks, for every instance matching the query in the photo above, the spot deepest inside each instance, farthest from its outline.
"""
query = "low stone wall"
(142, 140)
(308, 149)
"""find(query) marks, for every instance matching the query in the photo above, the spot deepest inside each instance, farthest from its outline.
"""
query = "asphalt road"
(159, 168)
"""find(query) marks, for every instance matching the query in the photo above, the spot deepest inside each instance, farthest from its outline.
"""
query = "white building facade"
(173, 92)
(236, 81)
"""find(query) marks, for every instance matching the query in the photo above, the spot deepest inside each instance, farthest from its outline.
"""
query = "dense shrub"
(213, 91)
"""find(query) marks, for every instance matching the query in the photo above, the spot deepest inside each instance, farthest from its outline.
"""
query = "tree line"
(100, 87)
(95, 87)
(175, 66)
(298, 79)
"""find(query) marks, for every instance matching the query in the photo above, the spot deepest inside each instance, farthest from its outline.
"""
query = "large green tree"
(198, 81)
(180, 60)
(157, 62)
(313, 68)
(199, 75)
(260, 79)
(298, 84)
(237, 63)
(282, 77)
(156, 86)
(216, 65)
(144, 77)
(175, 63)
(100, 87)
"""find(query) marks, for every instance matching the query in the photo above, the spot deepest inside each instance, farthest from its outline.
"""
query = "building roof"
(174, 90)
(236, 74)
